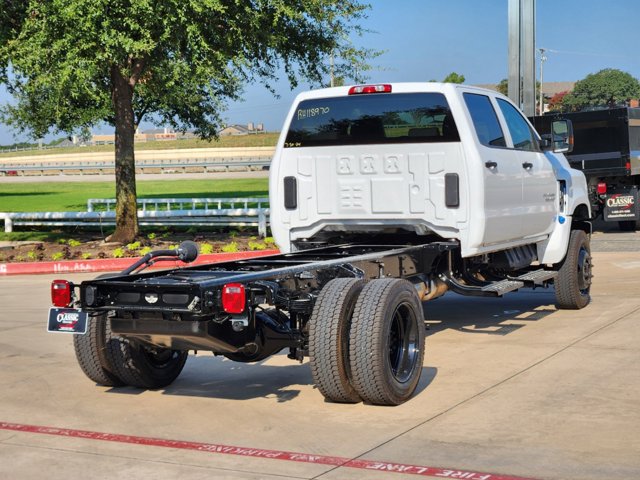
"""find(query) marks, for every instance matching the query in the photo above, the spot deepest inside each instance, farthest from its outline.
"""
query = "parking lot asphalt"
(511, 389)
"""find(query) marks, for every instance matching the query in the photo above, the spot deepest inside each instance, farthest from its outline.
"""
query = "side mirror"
(561, 136)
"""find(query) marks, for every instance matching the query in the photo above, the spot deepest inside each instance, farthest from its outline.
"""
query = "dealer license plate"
(67, 320)
(622, 205)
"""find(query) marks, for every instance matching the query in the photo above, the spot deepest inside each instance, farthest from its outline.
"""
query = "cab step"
(532, 279)
(502, 287)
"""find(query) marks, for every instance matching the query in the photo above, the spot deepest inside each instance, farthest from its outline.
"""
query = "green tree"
(608, 87)
(454, 77)
(71, 64)
(503, 87)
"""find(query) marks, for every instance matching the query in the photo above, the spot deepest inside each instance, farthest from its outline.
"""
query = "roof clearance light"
(602, 188)
(233, 298)
(361, 89)
(61, 293)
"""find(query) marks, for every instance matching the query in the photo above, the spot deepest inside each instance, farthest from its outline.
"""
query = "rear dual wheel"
(142, 366)
(329, 339)
(387, 342)
(113, 361)
(90, 349)
(366, 341)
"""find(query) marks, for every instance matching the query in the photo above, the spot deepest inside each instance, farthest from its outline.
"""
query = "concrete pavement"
(511, 388)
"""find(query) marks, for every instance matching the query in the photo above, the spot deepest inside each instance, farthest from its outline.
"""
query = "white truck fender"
(554, 248)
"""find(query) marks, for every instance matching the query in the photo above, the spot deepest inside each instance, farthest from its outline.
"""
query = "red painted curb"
(115, 264)
(386, 467)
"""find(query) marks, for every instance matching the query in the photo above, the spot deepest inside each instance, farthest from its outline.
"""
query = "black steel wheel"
(90, 350)
(143, 366)
(329, 339)
(574, 275)
(387, 342)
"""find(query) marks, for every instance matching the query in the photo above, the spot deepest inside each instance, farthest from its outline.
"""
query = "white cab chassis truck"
(383, 197)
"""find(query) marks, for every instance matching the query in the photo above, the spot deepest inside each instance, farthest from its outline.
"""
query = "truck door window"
(372, 118)
(521, 134)
(485, 120)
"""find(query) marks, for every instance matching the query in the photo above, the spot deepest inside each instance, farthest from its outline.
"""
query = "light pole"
(543, 58)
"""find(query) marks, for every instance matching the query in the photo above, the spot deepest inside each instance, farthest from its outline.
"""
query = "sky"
(428, 39)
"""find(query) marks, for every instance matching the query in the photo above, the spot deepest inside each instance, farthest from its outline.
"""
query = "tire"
(329, 339)
(143, 367)
(387, 342)
(91, 353)
(574, 275)
(627, 226)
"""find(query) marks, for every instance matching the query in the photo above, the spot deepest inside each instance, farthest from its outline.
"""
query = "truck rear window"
(372, 119)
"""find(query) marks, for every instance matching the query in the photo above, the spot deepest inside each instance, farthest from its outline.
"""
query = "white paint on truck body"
(396, 180)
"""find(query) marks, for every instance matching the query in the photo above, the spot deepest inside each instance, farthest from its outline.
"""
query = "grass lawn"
(62, 197)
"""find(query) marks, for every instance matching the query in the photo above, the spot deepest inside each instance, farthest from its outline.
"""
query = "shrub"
(132, 247)
(57, 256)
(256, 245)
(74, 243)
(206, 248)
(118, 253)
(230, 247)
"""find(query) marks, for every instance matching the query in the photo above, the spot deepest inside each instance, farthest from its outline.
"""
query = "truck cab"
(427, 159)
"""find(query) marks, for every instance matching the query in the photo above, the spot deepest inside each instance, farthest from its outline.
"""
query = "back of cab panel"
(365, 163)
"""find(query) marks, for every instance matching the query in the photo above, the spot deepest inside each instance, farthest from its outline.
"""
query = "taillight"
(233, 298)
(360, 89)
(601, 188)
(61, 293)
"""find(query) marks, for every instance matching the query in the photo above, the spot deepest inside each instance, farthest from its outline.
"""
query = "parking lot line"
(386, 467)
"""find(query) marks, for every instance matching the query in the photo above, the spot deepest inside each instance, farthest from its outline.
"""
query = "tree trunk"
(126, 207)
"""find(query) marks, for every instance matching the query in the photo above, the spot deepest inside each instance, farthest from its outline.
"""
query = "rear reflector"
(61, 293)
(360, 89)
(233, 298)
(602, 188)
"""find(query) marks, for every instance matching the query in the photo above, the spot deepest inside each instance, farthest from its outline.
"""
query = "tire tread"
(330, 367)
(367, 340)
(568, 294)
(90, 350)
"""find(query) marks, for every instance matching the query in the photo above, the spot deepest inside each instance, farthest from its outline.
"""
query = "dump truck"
(607, 151)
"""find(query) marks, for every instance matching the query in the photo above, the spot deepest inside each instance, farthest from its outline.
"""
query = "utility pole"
(543, 58)
(514, 78)
(522, 78)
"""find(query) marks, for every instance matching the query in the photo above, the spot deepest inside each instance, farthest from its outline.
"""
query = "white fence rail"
(160, 204)
(228, 215)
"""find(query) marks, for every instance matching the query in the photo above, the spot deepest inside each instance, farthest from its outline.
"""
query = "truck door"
(539, 187)
(502, 173)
